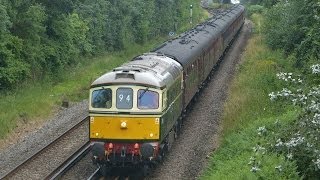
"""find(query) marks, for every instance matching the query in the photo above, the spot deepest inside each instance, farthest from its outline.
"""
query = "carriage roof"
(191, 44)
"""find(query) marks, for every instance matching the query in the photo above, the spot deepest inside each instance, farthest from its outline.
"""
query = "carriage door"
(201, 68)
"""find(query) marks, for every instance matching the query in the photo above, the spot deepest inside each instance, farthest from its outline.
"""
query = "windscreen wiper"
(143, 93)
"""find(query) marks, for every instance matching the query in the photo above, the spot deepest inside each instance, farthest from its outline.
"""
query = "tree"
(164, 16)
(43, 37)
(94, 13)
(141, 20)
(309, 48)
(31, 29)
(293, 27)
(12, 67)
(69, 41)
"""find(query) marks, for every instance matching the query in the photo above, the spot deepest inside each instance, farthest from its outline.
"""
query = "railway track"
(94, 175)
(72, 160)
(61, 153)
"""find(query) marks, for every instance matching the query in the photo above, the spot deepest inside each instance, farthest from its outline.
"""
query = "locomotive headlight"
(151, 134)
(123, 125)
(97, 134)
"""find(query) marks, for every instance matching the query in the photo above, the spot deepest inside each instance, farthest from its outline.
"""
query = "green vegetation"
(51, 51)
(242, 155)
(219, 6)
(248, 108)
(254, 9)
(249, 98)
(267, 134)
(42, 37)
(36, 101)
(294, 28)
(265, 3)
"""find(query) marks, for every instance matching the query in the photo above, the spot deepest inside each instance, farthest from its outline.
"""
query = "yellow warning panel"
(114, 127)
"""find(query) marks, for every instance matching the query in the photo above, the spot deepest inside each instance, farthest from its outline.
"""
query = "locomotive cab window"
(124, 98)
(148, 99)
(101, 98)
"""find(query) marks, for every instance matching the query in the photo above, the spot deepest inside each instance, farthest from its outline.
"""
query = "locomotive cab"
(125, 112)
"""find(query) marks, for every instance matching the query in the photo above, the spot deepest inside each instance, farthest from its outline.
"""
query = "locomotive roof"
(149, 69)
(192, 43)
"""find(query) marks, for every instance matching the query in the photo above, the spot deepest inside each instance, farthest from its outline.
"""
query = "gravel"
(41, 166)
(34, 141)
(82, 170)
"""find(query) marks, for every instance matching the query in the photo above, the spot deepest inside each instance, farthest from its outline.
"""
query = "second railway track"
(42, 163)
(72, 160)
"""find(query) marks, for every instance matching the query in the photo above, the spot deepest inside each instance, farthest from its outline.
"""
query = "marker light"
(136, 147)
(110, 146)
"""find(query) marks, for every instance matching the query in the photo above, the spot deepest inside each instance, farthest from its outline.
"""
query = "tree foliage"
(43, 37)
(12, 66)
(294, 27)
(266, 3)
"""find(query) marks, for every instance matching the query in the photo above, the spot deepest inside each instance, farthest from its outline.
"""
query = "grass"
(250, 89)
(37, 100)
(248, 107)
(231, 161)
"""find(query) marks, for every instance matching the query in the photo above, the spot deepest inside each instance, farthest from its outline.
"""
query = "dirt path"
(200, 134)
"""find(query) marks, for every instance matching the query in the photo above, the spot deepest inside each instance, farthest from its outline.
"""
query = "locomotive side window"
(148, 99)
(101, 98)
(124, 98)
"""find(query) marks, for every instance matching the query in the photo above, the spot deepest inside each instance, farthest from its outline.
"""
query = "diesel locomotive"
(136, 109)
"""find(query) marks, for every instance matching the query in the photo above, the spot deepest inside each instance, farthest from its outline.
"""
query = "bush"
(293, 26)
(300, 141)
(243, 156)
(39, 39)
(252, 9)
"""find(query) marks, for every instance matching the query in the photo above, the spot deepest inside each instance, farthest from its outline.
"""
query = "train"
(136, 110)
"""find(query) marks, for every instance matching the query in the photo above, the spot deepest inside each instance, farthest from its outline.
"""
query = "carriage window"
(101, 98)
(148, 99)
(124, 98)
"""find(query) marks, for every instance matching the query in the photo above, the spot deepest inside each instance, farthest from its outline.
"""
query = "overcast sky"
(235, 1)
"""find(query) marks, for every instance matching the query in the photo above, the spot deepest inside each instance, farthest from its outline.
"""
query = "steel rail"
(70, 162)
(37, 153)
(95, 174)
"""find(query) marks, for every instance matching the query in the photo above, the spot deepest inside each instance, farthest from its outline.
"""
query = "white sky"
(235, 1)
